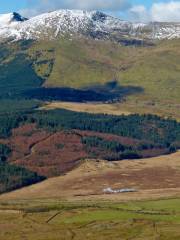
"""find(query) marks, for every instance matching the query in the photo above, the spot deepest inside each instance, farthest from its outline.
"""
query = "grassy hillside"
(82, 63)
(157, 71)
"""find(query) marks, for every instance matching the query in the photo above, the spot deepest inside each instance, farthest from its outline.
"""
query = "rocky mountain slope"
(93, 24)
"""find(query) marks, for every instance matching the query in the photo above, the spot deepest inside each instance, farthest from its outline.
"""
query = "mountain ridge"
(94, 24)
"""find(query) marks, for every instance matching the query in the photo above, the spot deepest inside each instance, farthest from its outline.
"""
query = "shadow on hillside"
(110, 92)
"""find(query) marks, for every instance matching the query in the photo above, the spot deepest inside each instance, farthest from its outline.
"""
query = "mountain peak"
(8, 18)
(18, 18)
(99, 16)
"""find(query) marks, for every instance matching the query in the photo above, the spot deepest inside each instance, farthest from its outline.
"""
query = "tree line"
(153, 129)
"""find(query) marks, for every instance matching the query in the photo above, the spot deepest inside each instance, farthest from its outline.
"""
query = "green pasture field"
(52, 219)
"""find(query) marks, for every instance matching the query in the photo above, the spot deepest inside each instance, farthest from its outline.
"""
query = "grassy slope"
(81, 63)
(153, 177)
(157, 71)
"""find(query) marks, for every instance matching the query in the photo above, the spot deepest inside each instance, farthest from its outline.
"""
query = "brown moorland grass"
(153, 178)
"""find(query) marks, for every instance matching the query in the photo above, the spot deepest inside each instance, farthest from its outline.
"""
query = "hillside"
(89, 127)
(90, 65)
(82, 56)
(51, 143)
(83, 63)
(122, 76)
(153, 178)
(74, 205)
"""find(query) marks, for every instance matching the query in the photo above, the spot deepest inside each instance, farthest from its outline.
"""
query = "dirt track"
(153, 178)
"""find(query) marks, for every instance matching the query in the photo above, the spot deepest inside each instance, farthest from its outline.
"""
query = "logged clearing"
(114, 109)
(53, 154)
(124, 108)
(153, 178)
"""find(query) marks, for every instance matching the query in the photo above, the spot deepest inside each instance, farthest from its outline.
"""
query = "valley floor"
(52, 219)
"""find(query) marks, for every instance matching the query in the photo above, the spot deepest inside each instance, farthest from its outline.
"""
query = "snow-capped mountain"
(10, 18)
(88, 23)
